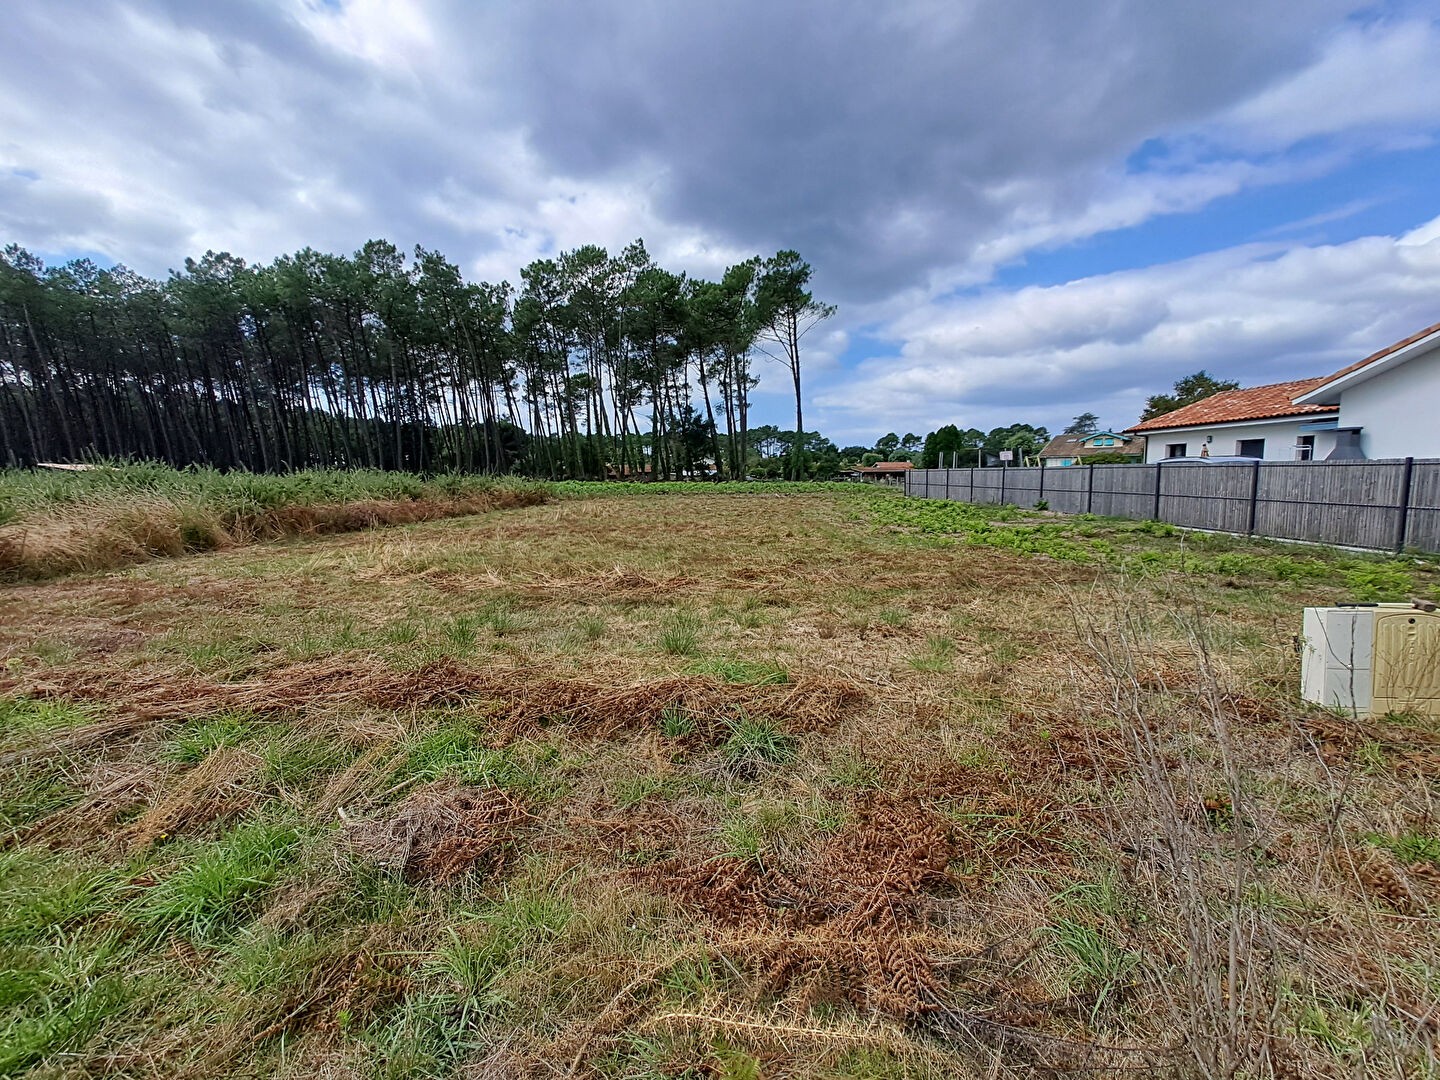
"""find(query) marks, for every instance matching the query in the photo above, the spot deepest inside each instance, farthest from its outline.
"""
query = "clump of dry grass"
(220, 786)
(110, 530)
(440, 833)
(847, 924)
(522, 699)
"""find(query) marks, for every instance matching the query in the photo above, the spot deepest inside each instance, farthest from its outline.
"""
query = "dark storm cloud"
(884, 142)
(879, 139)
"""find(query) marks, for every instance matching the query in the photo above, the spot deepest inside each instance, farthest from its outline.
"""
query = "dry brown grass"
(441, 833)
(112, 532)
(514, 700)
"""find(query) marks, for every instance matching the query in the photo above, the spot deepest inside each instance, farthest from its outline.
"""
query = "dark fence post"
(1040, 495)
(1089, 488)
(1159, 471)
(1400, 526)
(947, 485)
(972, 484)
(1002, 486)
(1254, 497)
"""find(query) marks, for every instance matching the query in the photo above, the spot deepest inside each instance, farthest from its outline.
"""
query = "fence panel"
(1022, 486)
(1066, 488)
(1207, 496)
(1368, 504)
(989, 486)
(1422, 528)
(1345, 502)
(1126, 491)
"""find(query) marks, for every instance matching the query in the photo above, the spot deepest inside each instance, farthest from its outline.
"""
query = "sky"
(1023, 209)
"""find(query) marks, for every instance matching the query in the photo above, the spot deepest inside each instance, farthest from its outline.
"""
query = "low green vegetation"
(1145, 546)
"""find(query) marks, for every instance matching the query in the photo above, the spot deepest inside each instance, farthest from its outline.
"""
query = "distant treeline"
(596, 365)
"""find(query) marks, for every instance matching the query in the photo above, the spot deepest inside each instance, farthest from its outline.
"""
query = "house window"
(1250, 448)
(1305, 448)
(1176, 449)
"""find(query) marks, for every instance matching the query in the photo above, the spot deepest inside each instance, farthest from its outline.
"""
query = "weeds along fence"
(1383, 505)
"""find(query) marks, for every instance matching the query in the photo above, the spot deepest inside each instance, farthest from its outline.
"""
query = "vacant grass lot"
(680, 783)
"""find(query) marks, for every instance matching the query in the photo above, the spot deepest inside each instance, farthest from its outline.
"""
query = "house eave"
(1329, 393)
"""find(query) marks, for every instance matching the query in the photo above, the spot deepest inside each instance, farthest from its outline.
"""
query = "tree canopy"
(1187, 391)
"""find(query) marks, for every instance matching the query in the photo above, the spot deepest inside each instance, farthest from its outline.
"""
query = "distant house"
(1074, 449)
(1261, 422)
(1384, 406)
(882, 472)
(625, 472)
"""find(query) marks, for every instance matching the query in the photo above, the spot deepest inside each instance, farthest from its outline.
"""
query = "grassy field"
(670, 782)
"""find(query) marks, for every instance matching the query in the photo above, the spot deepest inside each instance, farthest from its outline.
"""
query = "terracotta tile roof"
(1230, 406)
(1411, 340)
(887, 466)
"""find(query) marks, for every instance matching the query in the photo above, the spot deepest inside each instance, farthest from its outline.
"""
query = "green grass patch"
(454, 752)
(1095, 963)
(218, 885)
(20, 716)
(747, 833)
(204, 735)
(293, 760)
(758, 741)
(675, 722)
(744, 672)
(680, 633)
(44, 894)
(937, 657)
(1411, 846)
(1132, 545)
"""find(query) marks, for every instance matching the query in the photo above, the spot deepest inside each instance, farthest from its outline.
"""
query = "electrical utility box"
(1372, 660)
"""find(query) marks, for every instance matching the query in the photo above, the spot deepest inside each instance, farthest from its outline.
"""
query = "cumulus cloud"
(1259, 313)
(892, 146)
(1373, 81)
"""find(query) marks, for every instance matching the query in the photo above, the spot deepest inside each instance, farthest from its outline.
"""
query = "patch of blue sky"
(60, 258)
(1381, 193)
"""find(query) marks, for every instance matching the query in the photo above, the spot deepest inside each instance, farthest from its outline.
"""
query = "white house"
(1384, 406)
(1261, 422)
(1389, 403)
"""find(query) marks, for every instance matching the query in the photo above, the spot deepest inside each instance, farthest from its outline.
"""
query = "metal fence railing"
(1391, 505)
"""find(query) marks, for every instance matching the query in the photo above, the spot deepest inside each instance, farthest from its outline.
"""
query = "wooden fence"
(1384, 505)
